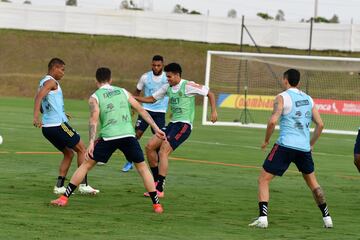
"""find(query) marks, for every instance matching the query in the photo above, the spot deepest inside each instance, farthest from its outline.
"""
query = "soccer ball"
(1, 139)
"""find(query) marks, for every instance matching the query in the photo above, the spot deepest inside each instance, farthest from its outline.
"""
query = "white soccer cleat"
(328, 222)
(260, 222)
(100, 163)
(87, 189)
(59, 190)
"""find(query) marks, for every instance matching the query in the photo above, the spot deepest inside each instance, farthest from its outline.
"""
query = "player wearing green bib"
(181, 95)
(111, 105)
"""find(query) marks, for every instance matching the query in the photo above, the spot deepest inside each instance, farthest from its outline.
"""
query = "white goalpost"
(245, 85)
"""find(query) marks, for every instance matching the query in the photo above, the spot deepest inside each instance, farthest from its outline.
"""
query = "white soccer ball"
(1, 139)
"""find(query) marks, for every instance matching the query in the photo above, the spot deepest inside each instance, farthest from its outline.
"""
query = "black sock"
(155, 173)
(263, 209)
(161, 183)
(70, 189)
(154, 197)
(60, 181)
(84, 181)
(324, 210)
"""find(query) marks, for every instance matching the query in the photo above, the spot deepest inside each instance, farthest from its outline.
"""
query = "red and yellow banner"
(255, 102)
(258, 102)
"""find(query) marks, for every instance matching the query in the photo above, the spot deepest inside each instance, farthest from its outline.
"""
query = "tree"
(194, 12)
(27, 2)
(264, 16)
(280, 16)
(129, 5)
(232, 13)
(7, 1)
(181, 10)
(321, 20)
(334, 19)
(71, 3)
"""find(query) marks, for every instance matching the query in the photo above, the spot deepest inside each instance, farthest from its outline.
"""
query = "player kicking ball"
(111, 105)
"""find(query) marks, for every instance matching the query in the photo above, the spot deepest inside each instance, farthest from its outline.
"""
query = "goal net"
(245, 85)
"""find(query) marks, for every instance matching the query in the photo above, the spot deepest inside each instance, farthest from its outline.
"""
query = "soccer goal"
(245, 85)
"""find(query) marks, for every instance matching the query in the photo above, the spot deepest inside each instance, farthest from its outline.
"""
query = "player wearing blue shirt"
(149, 83)
(55, 127)
(296, 111)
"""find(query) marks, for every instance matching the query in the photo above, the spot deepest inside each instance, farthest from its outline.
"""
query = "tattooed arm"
(277, 111)
(93, 121)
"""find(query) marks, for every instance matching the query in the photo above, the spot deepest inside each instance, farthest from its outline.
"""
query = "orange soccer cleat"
(61, 201)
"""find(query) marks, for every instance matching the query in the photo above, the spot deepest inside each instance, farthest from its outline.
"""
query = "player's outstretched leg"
(78, 176)
(148, 180)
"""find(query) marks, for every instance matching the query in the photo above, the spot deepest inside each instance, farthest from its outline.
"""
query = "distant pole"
(242, 32)
(316, 8)
(311, 31)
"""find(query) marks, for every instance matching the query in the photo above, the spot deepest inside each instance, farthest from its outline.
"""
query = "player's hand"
(264, 145)
(68, 116)
(214, 116)
(37, 123)
(90, 150)
(160, 134)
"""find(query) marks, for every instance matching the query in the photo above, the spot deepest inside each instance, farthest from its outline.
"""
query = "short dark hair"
(293, 77)
(103, 74)
(158, 58)
(55, 61)
(174, 68)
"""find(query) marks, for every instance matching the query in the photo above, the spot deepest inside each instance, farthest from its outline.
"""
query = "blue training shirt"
(52, 105)
(295, 125)
(151, 86)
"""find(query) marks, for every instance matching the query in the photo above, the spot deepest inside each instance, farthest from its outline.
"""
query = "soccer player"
(296, 111)
(181, 95)
(55, 127)
(111, 105)
(150, 82)
(357, 152)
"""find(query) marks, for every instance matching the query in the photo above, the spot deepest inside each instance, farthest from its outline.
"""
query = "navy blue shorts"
(357, 144)
(128, 145)
(159, 119)
(177, 133)
(61, 136)
(279, 159)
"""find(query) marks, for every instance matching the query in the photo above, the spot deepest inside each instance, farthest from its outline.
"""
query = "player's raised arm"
(48, 86)
(277, 111)
(146, 116)
(149, 99)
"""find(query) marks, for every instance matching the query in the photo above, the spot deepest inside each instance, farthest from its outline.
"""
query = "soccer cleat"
(59, 190)
(260, 222)
(100, 163)
(327, 222)
(87, 189)
(127, 167)
(158, 208)
(61, 201)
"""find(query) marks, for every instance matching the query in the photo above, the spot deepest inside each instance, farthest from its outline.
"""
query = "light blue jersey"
(151, 86)
(295, 124)
(52, 105)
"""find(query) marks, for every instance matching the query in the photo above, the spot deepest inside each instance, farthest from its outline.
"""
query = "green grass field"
(211, 190)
